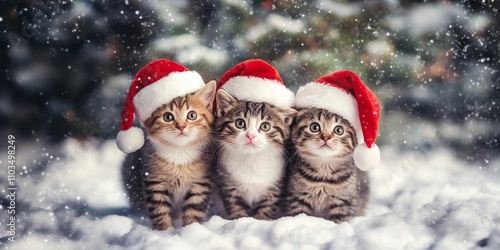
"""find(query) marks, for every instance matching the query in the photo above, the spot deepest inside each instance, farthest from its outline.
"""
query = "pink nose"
(250, 137)
(326, 137)
(181, 128)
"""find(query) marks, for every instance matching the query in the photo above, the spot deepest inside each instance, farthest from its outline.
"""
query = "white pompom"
(366, 158)
(130, 140)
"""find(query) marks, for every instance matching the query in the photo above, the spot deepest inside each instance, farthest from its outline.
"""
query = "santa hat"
(343, 93)
(154, 85)
(257, 81)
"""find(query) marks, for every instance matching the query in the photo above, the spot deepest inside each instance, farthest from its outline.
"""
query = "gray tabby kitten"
(174, 165)
(323, 179)
(251, 160)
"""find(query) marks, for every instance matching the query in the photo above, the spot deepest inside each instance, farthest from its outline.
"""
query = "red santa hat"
(257, 81)
(343, 93)
(154, 85)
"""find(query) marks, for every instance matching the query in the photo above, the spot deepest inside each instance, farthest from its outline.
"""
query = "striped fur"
(250, 172)
(323, 179)
(175, 174)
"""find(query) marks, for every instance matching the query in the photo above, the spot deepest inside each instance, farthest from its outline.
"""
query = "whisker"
(291, 158)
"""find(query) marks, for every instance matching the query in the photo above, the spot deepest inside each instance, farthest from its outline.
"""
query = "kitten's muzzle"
(180, 127)
(326, 136)
(250, 137)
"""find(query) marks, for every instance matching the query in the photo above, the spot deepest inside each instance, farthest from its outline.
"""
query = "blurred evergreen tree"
(69, 64)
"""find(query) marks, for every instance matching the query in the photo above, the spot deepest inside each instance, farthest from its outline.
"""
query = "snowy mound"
(75, 201)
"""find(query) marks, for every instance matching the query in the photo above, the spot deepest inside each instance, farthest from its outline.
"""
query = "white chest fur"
(254, 173)
(177, 155)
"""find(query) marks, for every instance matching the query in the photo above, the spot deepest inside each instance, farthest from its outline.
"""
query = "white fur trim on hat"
(258, 89)
(130, 140)
(366, 158)
(156, 94)
(318, 95)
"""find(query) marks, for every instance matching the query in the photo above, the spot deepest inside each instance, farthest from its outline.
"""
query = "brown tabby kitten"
(251, 159)
(175, 162)
(324, 181)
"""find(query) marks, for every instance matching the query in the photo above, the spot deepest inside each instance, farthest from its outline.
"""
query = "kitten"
(175, 161)
(251, 159)
(323, 179)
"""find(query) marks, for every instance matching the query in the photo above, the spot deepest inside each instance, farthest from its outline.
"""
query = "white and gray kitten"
(250, 163)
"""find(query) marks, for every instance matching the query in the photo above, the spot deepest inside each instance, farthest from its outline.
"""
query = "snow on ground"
(74, 201)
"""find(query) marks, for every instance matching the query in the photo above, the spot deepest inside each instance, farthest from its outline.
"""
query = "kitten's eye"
(315, 128)
(265, 126)
(168, 117)
(192, 115)
(338, 130)
(240, 123)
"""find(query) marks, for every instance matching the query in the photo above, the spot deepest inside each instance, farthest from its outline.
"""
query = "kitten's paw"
(162, 226)
(161, 221)
(263, 216)
(236, 216)
(188, 220)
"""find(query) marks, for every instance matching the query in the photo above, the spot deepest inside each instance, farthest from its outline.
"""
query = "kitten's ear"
(288, 114)
(225, 102)
(207, 94)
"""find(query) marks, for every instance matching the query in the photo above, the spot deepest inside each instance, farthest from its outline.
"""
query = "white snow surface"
(419, 201)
